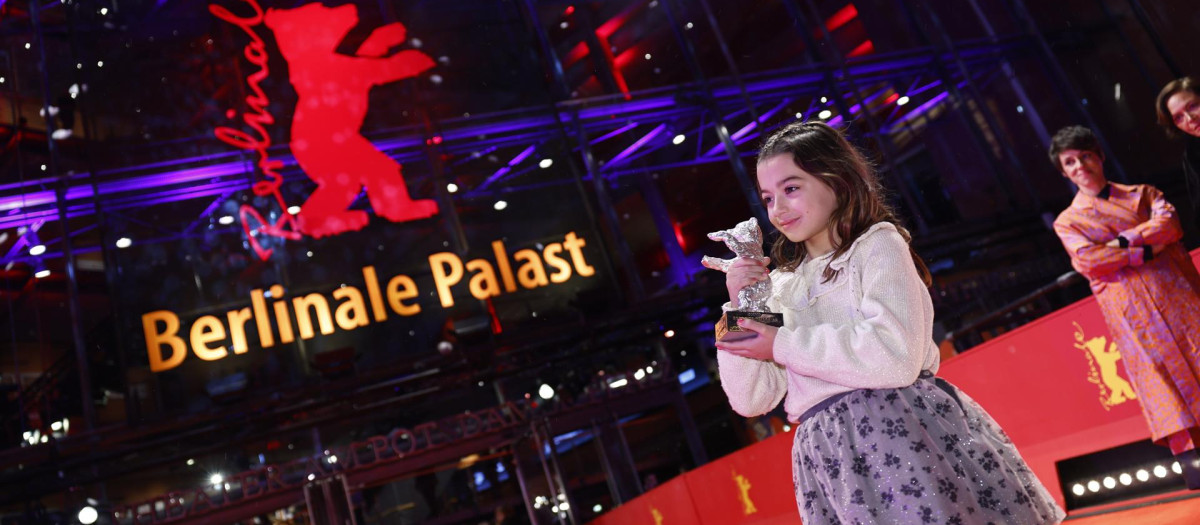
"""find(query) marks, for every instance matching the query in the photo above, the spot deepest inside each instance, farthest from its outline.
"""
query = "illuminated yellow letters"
(402, 288)
(483, 284)
(352, 313)
(304, 321)
(564, 269)
(531, 274)
(440, 263)
(205, 330)
(155, 340)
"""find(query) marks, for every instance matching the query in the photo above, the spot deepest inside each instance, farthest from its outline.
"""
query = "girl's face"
(798, 203)
(1184, 108)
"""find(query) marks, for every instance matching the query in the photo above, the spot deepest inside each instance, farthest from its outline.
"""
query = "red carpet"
(1180, 508)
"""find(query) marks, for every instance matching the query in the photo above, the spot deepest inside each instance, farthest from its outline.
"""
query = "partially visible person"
(1125, 240)
(1178, 106)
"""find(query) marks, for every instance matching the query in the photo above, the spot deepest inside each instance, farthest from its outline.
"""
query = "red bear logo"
(332, 102)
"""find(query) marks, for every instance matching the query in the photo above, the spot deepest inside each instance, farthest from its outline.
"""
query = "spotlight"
(824, 114)
(1160, 471)
(88, 515)
(649, 370)
(1093, 486)
(669, 334)
(546, 392)
(1078, 490)
(452, 187)
(226, 220)
(679, 139)
(1125, 478)
(124, 242)
(216, 479)
(597, 508)
(799, 115)
(294, 210)
(1109, 482)
(640, 374)
(37, 250)
(1176, 468)
(546, 163)
(500, 205)
(333, 459)
(647, 56)
(902, 101)
(42, 274)
(191, 462)
(824, 100)
(618, 383)
(1142, 475)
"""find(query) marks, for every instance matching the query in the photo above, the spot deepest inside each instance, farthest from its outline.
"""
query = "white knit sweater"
(870, 327)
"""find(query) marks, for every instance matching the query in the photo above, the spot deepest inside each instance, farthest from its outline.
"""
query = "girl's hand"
(744, 272)
(760, 347)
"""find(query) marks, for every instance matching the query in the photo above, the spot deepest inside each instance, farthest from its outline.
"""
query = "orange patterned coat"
(1152, 308)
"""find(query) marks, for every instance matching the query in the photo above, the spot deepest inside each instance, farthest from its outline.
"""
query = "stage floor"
(1176, 508)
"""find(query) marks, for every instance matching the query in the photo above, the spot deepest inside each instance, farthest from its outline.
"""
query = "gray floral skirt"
(925, 453)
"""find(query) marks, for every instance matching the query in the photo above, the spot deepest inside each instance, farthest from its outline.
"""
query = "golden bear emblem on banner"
(1102, 356)
(743, 486)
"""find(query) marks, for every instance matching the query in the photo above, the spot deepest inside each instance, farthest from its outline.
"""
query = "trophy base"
(727, 328)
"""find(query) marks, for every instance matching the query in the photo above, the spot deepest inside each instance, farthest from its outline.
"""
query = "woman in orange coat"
(1125, 240)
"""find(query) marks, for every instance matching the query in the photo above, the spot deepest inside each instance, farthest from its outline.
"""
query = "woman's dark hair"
(823, 152)
(1160, 104)
(1073, 137)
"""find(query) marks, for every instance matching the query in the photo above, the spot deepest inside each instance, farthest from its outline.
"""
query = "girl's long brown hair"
(823, 152)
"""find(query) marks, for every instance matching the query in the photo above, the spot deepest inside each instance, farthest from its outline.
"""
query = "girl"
(879, 439)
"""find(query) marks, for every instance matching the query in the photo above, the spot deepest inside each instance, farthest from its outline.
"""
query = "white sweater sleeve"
(753, 387)
(883, 350)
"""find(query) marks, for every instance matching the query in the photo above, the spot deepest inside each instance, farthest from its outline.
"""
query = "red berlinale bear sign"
(326, 139)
